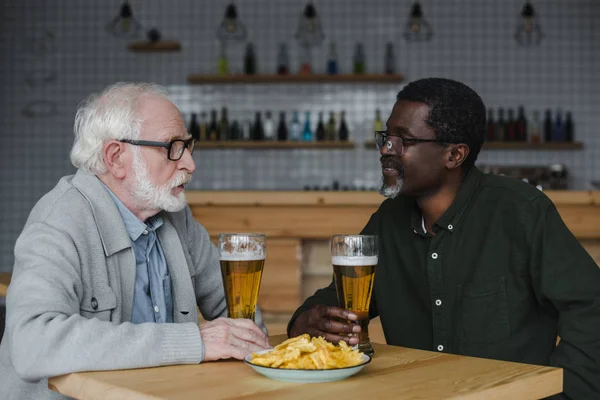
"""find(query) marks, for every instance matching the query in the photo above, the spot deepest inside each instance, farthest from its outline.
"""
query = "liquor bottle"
(247, 130)
(521, 125)
(305, 61)
(491, 127)
(535, 130)
(269, 126)
(295, 128)
(548, 126)
(224, 125)
(203, 126)
(569, 128)
(510, 135)
(258, 132)
(343, 133)
(250, 60)
(282, 131)
(332, 59)
(194, 128)
(390, 59)
(235, 131)
(358, 60)
(559, 128)
(223, 63)
(377, 123)
(320, 128)
(213, 128)
(283, 60)
(500, 126)
(307, 134)
(330, 129)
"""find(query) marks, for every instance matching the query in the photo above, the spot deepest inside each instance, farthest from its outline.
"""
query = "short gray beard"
(153, 197)
(391, 192)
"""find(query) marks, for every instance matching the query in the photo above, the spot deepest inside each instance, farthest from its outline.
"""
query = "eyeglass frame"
(385, 135)
(187, 144)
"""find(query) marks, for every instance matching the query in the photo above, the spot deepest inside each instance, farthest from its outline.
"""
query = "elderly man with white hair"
(111, 264)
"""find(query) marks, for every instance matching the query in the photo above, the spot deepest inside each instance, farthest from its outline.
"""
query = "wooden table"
(394, 373)
(4, 281)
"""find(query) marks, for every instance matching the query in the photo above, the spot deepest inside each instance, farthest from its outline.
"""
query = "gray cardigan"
(70, 299)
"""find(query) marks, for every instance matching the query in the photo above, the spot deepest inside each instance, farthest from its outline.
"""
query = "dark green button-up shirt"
(501, 278)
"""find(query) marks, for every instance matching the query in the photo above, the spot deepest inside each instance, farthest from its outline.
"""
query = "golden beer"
(241, 280)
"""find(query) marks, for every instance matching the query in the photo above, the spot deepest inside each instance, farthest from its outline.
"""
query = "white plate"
(307, 375)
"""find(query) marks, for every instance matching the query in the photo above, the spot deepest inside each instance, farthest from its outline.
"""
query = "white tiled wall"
(472, 43)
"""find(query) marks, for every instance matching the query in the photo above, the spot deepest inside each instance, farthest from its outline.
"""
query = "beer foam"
(354, 261)
(235, 256)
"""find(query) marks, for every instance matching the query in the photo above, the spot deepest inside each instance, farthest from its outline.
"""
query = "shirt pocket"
(99, 305)
(483, 312)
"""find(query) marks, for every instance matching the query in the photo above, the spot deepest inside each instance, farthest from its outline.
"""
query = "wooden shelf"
(312, 78)
(274, 145)
(150, 47)
(520, 146)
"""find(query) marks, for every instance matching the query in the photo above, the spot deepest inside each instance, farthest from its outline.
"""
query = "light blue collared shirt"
(152, 299)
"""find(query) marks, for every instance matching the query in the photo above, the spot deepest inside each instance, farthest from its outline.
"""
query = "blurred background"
(535, 64)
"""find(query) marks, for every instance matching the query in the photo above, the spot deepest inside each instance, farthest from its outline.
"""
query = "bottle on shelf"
(213, 128)
(535, 128)
(223, 63)
(320, 128)
(332, 59)
(203, 126)
(377, 124)
(305, 61)
(510, 134)
(390, 59)
(500, 126)
(224, 125)
(521, 125)
(569, 128)
(247, 130)
(235, 131)
(295, 127)
(307, 134)
(343, 133)
(358, 60)
(194, 127)
(283, 60)
(258, 132)
(330, 129)
(491, 127)
(282, 130)
(558, 134)
(269, 126)
(548, 126)
(250, 67)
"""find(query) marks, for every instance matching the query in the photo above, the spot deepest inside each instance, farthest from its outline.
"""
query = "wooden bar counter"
(394, 373)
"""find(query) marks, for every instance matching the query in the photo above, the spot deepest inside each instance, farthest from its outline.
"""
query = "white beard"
(153, 197)
(393, 191)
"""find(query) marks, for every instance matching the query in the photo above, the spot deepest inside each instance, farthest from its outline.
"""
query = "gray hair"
(110, 114)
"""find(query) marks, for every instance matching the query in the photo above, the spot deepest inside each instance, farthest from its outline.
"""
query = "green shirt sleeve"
(565, 277)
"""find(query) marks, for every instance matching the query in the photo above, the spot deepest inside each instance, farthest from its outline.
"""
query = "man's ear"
(113, 152)
(456, 155)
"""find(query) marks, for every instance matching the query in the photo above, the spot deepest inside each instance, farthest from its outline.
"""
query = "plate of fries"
(306, 359)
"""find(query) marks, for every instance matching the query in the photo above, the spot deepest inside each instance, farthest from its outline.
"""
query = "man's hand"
(329, 322)
(232, 338)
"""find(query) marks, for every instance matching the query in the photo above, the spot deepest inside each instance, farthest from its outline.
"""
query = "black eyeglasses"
(382, 138)
(175, 147)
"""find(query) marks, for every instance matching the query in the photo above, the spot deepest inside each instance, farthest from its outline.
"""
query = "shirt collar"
(451, 218)
(135, 228)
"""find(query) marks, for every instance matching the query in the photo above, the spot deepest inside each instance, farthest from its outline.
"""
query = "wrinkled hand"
(232, 338)
(327, 321)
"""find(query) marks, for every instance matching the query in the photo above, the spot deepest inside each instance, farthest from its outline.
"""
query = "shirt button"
(415, 231)
(94, 303)
(145, 232)
(156, 309)
(434, 256)
(450, 227)
(440, 347)
(438, 302)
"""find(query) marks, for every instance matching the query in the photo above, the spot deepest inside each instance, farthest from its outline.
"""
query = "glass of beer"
(354, 258)
(242, 257)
